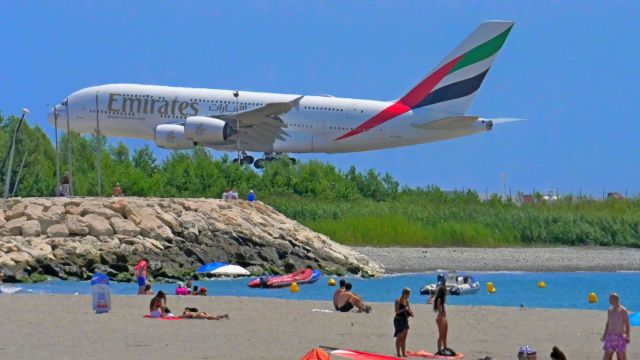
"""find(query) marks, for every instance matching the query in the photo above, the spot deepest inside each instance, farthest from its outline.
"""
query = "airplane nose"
(58, 112)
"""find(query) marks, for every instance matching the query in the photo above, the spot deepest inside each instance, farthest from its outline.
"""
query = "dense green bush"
(358, 208)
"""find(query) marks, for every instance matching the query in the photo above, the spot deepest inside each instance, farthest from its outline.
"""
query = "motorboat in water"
(456, 284)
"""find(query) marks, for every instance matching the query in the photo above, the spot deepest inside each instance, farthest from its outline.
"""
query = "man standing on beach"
(141, 275)
(617, 331)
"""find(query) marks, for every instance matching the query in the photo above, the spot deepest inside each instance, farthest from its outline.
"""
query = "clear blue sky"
(569, 67)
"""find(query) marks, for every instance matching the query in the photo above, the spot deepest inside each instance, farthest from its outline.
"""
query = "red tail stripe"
(408, 101)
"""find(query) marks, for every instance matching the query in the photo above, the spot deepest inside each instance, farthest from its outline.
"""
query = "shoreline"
(397, 260)
(278, 329)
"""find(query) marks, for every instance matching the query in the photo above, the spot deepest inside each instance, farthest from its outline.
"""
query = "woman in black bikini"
(401, 322)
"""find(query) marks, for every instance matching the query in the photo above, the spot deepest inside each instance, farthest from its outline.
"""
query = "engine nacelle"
(171, 136)
(206, 130)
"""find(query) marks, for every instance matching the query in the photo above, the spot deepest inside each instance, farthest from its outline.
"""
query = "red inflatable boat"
(299, 276)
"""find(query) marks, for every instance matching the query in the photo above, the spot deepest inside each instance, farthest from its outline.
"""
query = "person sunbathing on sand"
(348, 300)
(193, 313)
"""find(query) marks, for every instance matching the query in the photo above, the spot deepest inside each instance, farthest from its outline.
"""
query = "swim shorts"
(142, 281)
(615, 343)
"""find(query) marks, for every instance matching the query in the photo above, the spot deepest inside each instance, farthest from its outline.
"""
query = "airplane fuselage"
(314, 125)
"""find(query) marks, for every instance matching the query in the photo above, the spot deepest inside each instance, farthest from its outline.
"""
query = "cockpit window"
(64, 103)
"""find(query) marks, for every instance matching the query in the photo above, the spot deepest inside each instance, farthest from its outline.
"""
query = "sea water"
(567, 290)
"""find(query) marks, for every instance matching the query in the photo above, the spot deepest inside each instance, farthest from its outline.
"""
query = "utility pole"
(69, 150)
(98, 147)
(236, 94)
(55, 124)
(7, 178)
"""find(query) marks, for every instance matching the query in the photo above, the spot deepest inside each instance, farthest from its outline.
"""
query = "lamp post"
(7, 179)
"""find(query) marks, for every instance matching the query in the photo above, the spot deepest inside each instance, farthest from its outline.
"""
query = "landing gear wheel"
(247, 160)
(259, 164)
(293, 161)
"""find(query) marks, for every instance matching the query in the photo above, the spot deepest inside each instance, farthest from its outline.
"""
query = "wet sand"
(64, 327)
(402, 260)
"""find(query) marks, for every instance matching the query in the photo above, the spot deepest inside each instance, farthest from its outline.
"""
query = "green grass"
(421, 222)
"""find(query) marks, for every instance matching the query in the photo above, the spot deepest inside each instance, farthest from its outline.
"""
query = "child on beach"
(401, 322)
(617, 330)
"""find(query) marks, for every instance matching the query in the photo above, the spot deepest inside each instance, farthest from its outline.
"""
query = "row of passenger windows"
(226, 102)
(299, 125)
(144, 96)
(339, 128)
(322, 108)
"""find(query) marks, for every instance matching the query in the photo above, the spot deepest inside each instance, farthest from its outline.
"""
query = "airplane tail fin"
(452, 85)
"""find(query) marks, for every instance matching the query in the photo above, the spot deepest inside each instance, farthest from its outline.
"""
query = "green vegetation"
(356, 208)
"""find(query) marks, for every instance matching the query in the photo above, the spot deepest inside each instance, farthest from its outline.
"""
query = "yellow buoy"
(332, 281)
(541, 284)
(490, 288)
(593, 298)
(294, 287)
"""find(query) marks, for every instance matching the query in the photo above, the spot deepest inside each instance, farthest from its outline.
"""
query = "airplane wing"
(259, 127)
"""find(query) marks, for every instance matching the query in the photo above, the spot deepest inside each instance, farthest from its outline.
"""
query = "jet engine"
(171, 136)
(206, 130)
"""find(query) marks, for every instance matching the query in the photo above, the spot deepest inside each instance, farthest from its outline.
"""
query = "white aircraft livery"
(181, 118)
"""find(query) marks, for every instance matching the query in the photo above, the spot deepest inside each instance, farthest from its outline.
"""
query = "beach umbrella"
(634, 319)
(230, 270)
(316, 354)
(210, 267)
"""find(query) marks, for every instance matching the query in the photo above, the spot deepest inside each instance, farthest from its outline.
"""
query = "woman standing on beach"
(401, 322)
(441, 319)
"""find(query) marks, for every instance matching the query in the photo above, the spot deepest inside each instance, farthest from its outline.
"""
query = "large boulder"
(151, 227)
(13, 227)
(58, 230)
(31, 228)
(98, 225)
(77, 225)
(124, 227)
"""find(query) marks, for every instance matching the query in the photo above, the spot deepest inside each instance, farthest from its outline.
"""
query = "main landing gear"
(244, 159)
(267, 157)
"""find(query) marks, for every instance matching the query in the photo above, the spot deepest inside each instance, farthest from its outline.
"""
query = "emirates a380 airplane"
(226, 120)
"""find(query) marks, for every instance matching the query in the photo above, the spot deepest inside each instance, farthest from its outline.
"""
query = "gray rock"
(98, 225)
(58, 230)
(31, 228)
(124, 227)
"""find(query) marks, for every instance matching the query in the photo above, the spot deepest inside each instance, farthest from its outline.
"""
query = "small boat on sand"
(457, 284)
(304, 276)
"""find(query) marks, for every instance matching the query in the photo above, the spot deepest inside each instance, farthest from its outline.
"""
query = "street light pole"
(7, 178)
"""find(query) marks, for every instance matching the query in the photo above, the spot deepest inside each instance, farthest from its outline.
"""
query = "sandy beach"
(64, 327)
(401, 260)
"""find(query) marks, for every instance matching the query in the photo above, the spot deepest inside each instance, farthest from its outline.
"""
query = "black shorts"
(346, 307)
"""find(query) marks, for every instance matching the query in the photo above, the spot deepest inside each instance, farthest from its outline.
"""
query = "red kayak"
(281, 280)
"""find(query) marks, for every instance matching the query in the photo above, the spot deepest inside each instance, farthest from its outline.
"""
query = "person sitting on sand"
(348, 300)
(401, 322)
(1, 277)
(158, 306)
(617, 330)
(337, 293)
(195, 290)
(181, 289)
(147, 289)
(193, 313)
(557, 354)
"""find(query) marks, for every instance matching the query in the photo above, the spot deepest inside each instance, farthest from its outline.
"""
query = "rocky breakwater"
(75, 237)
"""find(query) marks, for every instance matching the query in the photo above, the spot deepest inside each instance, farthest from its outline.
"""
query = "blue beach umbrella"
(210, 267)
(634, 319)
